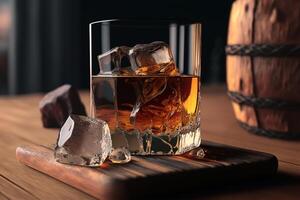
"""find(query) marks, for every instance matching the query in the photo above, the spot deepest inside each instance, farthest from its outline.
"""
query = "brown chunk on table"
(58, 104)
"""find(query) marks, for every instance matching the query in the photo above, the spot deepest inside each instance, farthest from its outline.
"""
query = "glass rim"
(149, 21)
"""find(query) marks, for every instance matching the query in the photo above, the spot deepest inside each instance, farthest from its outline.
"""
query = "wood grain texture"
(132, 180)
(265, 22)
(13, 191)
(42, 159)
(240, 19)
(277, 22)
(20, 125)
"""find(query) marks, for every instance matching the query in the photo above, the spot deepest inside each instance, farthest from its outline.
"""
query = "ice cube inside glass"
(145, 83)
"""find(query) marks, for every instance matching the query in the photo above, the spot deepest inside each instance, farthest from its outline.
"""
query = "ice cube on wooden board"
(83, 141)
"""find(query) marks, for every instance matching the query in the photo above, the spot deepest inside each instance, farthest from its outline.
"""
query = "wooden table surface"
(20, 124)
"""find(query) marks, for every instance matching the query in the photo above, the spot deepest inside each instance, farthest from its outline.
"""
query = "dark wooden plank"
(23, 127)
(3, 197)
(219, 125)
(31, 180)
(13, 191)
(224, 165)
(41, 158)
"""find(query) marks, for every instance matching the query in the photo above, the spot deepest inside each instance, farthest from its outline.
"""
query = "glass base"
(149, 144)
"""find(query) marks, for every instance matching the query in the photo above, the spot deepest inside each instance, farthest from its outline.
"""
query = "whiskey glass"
(145, 83)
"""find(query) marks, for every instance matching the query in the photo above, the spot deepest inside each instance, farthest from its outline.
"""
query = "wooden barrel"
(263, 66)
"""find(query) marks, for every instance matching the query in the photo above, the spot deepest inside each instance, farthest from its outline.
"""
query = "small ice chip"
(197, 153)
(200, 153)
(120, 155)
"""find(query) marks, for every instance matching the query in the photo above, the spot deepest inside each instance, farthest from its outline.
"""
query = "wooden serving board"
(155, 175)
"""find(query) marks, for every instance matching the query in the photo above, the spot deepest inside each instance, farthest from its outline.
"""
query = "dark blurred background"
(44, 43)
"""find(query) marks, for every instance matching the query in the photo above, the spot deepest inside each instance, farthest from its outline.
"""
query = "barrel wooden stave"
(275, 22)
